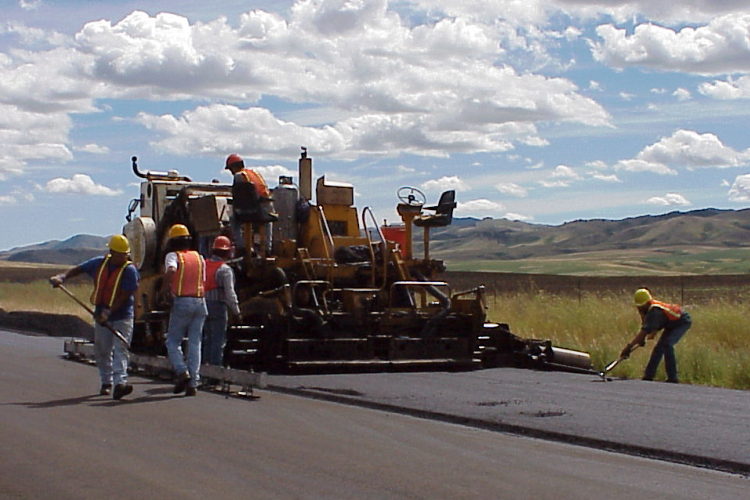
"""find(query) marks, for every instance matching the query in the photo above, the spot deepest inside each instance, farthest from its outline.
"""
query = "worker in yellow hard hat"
(184, 279)
(655, 316)
(115, 283)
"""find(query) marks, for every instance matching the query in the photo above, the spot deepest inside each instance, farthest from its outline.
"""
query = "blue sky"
(538, 110)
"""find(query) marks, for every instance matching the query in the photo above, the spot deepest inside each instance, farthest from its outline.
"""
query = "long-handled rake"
(105, 324)
(611, 366)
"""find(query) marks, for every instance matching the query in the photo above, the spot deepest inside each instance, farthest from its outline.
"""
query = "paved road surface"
(61, 442)
(683, 423)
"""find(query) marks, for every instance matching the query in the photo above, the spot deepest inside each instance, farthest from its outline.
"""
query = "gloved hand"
(625, 354)
(57, 280)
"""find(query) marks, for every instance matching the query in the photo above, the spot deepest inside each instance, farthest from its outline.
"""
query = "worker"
(220, 295)
(115, 283)
(263, 212)
(655, 316)
(236, 165)
(184, 278)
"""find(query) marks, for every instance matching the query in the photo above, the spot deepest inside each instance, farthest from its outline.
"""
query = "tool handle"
(106, 325)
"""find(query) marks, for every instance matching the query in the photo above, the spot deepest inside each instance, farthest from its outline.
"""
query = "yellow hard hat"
(119, 243)
(178, 231)
(642, 297)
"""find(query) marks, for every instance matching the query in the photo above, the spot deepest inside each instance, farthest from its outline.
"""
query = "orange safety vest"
(260, 184)
(672, 311)
(211, 267)
(107, 284)
(188, 280)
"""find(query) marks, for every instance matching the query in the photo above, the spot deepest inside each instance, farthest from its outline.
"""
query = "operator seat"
(443, 215)
(248, 206)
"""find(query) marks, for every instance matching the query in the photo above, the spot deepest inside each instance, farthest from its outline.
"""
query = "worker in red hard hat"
(266, 211)
(655, 316)
(236, 165)
(115, 284)
(220, 297)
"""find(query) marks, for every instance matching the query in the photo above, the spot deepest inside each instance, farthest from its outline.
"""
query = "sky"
(544, 111)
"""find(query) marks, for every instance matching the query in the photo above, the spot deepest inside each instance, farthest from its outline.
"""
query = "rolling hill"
(709, 241)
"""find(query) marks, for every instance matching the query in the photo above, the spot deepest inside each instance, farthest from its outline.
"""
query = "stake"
(105, 324)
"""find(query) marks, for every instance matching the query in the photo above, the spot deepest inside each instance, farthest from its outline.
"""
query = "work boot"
(122, 390)
(191, 391)
(105, 390)
(182, 382)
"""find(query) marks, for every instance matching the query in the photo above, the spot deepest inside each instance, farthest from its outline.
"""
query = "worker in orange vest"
(220, 296)
(185, 276)
(655, 316)
(115, 283)
(235, 164)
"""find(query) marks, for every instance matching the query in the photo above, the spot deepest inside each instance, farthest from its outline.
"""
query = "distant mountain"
(470, 239)
(489, 239)
(72, 251)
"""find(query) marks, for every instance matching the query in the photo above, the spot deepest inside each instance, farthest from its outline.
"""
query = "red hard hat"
(232, 159)
(222, 243)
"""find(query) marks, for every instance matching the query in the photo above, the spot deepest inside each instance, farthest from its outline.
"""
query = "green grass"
(652, 262)
(41, 297)
(715, 352)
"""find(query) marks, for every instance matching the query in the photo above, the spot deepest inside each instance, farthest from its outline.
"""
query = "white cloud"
(519, 217)
(29, 4)
(432, 89)
(727, 90)
(553, 184)
(687, 149)
(565, 172)
(669, 200)
(718, 47)
(8, 200)
(512, 189)
(740, 190)
(682, 94)
(639, 165)
(445, 183)
(479, 208)
(79, 184)
(92, 148)
(606, 178)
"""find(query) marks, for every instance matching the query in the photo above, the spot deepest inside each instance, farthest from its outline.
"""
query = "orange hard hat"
(222, 243)
(232, 159)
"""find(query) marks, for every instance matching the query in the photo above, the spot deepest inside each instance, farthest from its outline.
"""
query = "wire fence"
(686, 290)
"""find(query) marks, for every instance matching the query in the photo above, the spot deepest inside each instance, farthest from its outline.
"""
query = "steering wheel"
(411, 196)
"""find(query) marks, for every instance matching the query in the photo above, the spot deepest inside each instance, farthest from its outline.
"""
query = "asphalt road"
(61, 441)
(696, 425)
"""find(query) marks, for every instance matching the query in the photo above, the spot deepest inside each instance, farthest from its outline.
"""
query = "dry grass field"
(591, 314)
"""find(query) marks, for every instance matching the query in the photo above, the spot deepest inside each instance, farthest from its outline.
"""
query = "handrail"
(323, 220)
(365, 211)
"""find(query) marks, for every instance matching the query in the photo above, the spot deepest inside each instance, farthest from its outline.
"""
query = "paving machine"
(323, 286)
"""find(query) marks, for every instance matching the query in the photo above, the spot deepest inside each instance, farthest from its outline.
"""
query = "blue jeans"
(110, 353)
(215, 332)
(665, 348)
(186, 320)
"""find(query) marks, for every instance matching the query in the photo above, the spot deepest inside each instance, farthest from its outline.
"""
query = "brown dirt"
(54, 325)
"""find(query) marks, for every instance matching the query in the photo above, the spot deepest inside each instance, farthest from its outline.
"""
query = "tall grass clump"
(715, 351)
(39, 296)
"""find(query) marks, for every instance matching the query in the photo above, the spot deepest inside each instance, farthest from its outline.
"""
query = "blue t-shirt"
(129, 283)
